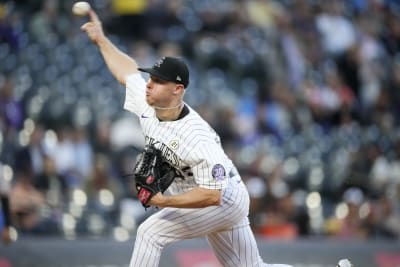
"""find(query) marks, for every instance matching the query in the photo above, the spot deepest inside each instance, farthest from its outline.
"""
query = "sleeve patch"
(218, 172)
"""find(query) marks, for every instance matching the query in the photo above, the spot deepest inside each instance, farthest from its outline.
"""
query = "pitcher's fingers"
(93, 16)
(85, 26)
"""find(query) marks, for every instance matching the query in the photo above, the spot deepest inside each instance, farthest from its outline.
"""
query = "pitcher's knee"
(145, 230)
(149, 235)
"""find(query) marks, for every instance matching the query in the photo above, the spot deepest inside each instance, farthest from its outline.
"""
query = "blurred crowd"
(305, 96)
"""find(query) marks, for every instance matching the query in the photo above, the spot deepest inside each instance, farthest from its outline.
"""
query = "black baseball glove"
(152, 173)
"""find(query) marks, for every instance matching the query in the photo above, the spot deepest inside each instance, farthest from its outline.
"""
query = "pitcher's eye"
(158, 80)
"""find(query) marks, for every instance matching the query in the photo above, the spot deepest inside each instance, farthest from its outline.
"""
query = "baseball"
(81, 8)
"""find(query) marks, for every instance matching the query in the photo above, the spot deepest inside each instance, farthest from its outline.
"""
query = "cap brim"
(155, 73)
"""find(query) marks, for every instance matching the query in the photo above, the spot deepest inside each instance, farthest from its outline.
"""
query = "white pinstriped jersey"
(193, 147)
(189, 143)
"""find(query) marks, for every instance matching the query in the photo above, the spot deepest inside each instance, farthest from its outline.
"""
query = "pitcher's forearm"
(195, 198)
(119, 63)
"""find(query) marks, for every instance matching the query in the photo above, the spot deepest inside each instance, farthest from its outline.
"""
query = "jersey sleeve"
(210, 170)
(135, 100)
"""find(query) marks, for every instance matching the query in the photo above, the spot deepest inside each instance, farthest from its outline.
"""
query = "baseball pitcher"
(206, 194)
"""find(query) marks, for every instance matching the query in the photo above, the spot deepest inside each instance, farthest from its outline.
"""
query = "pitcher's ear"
(178, 88)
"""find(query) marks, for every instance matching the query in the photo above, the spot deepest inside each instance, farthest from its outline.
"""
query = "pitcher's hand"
(93, 28)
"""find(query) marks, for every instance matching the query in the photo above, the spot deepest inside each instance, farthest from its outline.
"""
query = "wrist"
(162, 200)
(158, 200)
(102, 41)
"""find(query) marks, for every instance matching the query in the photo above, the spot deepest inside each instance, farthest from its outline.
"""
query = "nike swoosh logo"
(144, 117)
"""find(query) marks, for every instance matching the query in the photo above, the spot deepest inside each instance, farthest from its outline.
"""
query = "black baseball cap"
(170, 69)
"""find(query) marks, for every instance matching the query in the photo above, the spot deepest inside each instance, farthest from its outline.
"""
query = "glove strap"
(144, 195)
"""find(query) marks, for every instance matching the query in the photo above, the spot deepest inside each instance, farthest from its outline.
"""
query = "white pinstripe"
(194, 148)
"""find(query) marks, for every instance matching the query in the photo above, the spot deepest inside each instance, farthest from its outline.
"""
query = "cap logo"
(178, 78)
(160, 62)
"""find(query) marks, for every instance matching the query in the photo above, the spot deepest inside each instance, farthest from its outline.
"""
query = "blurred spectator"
(348, 65)
(11, 118)
(263, 13)
(5, 216)
(278, 215)
(104, 191)
(343, 102)
(391, 35)
(337, 32)
(83, 153)
(383, 219)
(127, 13)
(292, 49)
(143, 51)
(27, 204)
(73, 155)
(102, 142)
(161, 19)
(246, 119)
(393, 87)
(351, 222)
(53, 188)
(63, 155)
(380, 170)
(8, 32)
(223, 125)
(257, 188)
(11, 108)
(322, 100)
(275, 115)
(48, 24)
(361, 165)
(52, 185)
(29, 158)
(102, 178)
(280, 220)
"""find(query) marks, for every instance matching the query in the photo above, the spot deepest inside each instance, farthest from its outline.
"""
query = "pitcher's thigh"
(170, 224)
(236, 247)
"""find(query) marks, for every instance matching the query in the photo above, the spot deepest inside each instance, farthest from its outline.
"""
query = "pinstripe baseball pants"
(226, 228)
